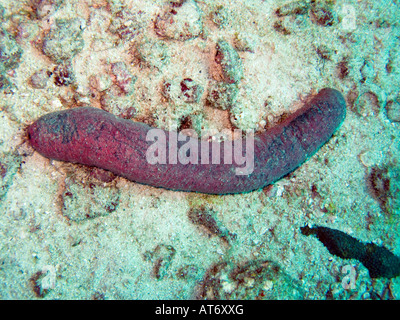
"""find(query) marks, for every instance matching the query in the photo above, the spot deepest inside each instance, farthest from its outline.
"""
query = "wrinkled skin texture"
(94, 137)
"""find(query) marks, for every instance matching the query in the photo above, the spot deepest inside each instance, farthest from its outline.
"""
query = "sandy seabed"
(73, 232)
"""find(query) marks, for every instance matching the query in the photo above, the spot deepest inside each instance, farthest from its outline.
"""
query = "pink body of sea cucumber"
(97, 138)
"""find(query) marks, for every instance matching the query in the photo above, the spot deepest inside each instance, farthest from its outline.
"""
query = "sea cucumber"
(97, 138)
(380, 262)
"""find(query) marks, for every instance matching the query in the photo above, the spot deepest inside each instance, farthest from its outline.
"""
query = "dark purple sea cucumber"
(97, 138)
(379, 261)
